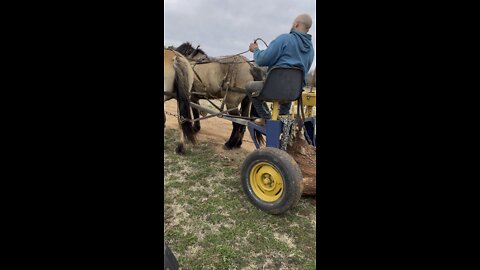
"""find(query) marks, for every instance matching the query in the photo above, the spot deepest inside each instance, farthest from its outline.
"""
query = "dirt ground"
(213, 129)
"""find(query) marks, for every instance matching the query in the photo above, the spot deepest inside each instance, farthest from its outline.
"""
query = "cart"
(271, 178)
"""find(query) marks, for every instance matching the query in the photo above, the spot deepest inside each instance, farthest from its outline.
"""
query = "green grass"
(210, 224)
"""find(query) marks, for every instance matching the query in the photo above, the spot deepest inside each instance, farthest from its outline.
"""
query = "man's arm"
(270, 55)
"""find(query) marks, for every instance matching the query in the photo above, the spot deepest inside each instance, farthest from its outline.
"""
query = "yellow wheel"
(272, 180)
(266, 182)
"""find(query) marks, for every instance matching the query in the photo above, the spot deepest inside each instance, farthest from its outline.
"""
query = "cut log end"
(306, 158)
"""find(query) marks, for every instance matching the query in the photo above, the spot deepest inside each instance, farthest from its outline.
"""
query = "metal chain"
(172, 114)
(181, 118)
(220, 114)
(286, 138)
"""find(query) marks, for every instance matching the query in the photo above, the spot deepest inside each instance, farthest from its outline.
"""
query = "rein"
(218, 60)
(227, 79)
(255, 41)
(228, 56)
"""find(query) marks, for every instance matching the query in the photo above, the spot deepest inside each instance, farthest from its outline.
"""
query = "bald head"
(302, 23)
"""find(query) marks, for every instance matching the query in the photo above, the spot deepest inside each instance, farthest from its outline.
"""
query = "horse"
(177, 83)
(217, 78)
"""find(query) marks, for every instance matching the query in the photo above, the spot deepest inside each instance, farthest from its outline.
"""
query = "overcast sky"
(225, 27)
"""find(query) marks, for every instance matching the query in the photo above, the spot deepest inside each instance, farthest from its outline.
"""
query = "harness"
(227, 79)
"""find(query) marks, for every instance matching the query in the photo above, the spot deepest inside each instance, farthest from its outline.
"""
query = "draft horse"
(221, 78)
(177, 83)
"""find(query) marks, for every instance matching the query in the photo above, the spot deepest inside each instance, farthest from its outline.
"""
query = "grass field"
(209, 223)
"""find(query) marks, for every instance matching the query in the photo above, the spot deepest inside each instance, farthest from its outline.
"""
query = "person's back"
(288, 50)
(294, 49)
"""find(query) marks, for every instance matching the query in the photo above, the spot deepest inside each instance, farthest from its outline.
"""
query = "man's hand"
(252, 47)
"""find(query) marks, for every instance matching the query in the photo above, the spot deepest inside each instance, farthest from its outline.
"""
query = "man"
(288, 50)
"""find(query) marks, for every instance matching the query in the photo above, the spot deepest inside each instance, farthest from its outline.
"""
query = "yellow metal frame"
(275, 110)
(309, 100)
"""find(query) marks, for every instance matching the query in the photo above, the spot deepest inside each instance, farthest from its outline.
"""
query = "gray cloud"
(225, 27)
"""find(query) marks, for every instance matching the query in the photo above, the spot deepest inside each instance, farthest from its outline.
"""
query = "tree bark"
(306, 157)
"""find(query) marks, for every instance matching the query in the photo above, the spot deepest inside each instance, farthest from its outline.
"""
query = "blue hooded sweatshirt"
(288, 50)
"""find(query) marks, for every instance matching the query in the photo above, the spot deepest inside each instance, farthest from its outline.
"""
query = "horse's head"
(188, 51)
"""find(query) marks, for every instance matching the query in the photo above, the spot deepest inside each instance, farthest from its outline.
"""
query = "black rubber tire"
(169, 260)
(288, 169)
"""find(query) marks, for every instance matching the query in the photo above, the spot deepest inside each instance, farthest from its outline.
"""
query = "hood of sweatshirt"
(304, 40)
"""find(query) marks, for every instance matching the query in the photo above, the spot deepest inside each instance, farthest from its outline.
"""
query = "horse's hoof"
(196, 129)
(225, 147)
(180, 149)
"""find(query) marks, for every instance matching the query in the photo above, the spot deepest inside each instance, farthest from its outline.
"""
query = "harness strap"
(198, 77)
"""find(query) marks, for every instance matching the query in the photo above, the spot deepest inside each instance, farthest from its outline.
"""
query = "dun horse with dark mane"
(221, 78)
(178, 80)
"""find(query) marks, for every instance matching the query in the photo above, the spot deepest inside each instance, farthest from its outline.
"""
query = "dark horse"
(225, 78)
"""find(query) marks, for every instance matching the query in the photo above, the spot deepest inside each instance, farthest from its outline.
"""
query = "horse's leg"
(245, 112)
(232, 141)
(196, 125)
(234, 136)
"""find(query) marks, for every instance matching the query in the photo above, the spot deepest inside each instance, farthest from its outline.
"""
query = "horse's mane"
(188, 51)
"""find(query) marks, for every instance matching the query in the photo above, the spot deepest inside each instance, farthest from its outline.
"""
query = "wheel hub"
(266, 181)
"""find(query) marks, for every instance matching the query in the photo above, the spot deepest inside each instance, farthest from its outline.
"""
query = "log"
(306, 157)
(310, 186)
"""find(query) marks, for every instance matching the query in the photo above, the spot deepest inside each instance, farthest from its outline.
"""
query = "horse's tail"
(258, 135)
(258, 74)
(182, 88)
